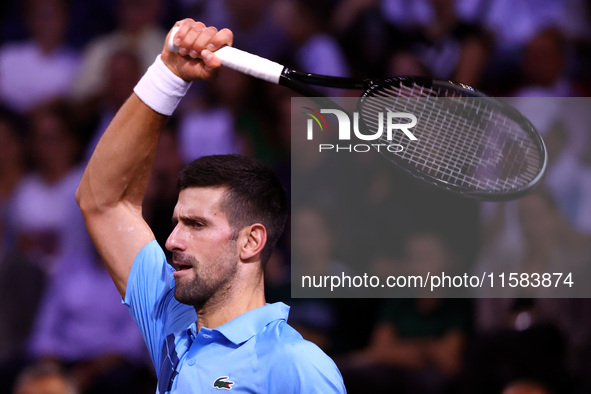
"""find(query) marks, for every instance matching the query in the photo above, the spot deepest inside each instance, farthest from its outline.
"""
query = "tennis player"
(204, 317)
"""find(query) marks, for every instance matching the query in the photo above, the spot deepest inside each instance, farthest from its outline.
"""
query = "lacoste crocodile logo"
(222, 383)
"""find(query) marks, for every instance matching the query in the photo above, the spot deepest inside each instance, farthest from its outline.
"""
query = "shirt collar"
(249, 324)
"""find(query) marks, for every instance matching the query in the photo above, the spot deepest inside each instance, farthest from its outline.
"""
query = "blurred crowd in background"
(66, 66)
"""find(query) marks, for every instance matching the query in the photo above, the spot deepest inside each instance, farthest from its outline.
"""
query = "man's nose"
(175, 241)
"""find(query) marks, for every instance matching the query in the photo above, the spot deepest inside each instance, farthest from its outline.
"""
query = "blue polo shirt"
(257, 352)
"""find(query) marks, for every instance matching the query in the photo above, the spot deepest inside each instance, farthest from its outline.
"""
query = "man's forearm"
(112, 188)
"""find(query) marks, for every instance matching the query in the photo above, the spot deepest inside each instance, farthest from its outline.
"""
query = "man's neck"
(218, 312)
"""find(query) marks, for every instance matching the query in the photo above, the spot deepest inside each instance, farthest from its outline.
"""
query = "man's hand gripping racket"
(467, 143)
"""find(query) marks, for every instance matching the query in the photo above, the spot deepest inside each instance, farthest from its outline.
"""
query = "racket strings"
(462, 141)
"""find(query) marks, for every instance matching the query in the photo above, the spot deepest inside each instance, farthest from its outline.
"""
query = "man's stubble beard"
(211, 281)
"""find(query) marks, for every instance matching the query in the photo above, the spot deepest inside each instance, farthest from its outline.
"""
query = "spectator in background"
(52, 240)
(514, 24)
(21, 280)
(305, 22)
(417, 345)
(365, 35)
(44, 379)
(407, 15)
(563, 123)
(567, 142)
(40, 209)
(22, 283)
(314, 240)
(12, 166)
(544, 66)
(138, 32)
(532, 337)
(41, 68)
(564, 165)
(93, 338)
(545, 241)
(543, 97)
(530, 340)
(122, 73)
(450, 48)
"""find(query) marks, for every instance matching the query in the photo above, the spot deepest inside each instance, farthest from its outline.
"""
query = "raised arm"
(112, 188)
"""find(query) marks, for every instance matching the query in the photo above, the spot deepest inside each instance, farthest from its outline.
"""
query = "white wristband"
(160, 88)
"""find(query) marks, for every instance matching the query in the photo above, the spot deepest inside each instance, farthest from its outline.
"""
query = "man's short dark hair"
(254, 194)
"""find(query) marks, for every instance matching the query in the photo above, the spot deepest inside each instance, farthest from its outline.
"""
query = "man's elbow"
(79, 197)
(95, 201)
(82, 199)
(87, 202)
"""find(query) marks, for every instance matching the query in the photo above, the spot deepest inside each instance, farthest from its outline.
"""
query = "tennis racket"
(467, 143)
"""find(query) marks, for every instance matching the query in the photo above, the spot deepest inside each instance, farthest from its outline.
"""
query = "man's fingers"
(204, 39)
(183, 27)
(188, 42)
(193, 37)
(186, 35)
(222, 38)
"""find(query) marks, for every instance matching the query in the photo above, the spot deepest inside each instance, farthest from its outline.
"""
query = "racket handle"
(241, 61)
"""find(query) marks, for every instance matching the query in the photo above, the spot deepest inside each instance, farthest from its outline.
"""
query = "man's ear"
(252, 240)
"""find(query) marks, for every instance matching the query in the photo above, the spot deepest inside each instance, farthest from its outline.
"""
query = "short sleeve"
(150, 299)
(305, 368)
